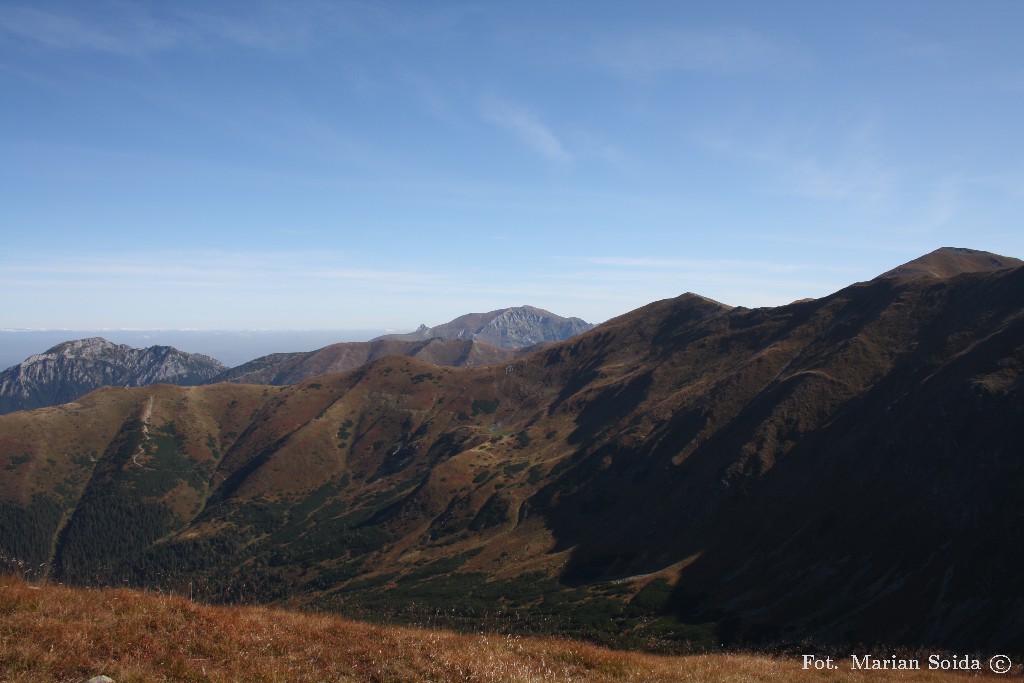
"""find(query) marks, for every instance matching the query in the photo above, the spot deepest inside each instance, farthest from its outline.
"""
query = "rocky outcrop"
(509, 328)
(74, 368)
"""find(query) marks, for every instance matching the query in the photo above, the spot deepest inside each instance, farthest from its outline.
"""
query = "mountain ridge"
(845, 469)
(71, 369)
(288, 368)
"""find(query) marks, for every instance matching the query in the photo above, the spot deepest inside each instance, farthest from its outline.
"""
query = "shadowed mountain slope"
(75, 368)
(841, 473)
(844, 469)
(508, 328)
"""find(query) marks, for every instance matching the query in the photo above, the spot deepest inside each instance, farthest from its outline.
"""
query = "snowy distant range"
(231, 347)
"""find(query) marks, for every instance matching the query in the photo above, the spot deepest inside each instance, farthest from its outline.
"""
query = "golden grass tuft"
(54, 633)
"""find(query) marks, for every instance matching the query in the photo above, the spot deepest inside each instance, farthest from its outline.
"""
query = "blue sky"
(369, 165)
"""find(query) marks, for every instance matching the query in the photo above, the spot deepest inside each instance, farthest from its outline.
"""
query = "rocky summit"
(508, 328)
(74, 368)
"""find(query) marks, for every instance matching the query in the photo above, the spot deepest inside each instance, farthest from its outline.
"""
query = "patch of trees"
(26, 535)
(107, 531)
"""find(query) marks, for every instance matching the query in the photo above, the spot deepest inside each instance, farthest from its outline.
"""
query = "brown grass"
(53, 633)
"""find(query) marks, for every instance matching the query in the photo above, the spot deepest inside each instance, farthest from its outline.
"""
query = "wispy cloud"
(527, 126)
(838, 165)
(711, 265)
(256, 289)
(428, 94)
(133, 30)
(890, 42)
(124, 28)
(192, 270)
(731, 281)
(1006, 81)
(720, 51)
(210, 289)
(849, 179)
(129, 33)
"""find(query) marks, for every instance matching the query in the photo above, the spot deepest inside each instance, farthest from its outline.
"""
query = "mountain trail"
(147, 412)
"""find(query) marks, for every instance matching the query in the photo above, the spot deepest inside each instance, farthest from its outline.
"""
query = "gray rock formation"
(509, 328)
(74, 368)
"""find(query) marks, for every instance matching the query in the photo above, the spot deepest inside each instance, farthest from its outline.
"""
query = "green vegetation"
(450, 444)
(484, 406)
(443, 566)
(514, 467)
(26, 534)
(112, 524)
(167, 466)
(108, 530)
(17, 461)
(344, 433)
(493, 513)
(529, 604)
(652, 598)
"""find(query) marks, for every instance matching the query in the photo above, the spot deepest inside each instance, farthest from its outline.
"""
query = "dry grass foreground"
(53, 633)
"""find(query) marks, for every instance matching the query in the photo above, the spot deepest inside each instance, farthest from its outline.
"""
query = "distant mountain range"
(469, 340)
(844, 471)
(74, 368)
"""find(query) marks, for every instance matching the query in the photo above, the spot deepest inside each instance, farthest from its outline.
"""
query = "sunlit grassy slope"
(53, 633)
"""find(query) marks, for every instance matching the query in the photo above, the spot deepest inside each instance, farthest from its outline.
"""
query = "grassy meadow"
(54, 633)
